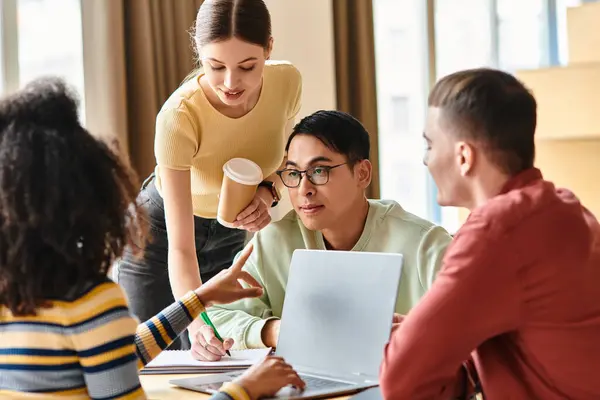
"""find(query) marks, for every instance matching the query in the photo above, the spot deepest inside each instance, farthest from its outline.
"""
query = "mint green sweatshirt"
(388, 228)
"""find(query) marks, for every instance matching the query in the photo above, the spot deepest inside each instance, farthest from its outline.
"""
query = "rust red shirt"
(519, 292)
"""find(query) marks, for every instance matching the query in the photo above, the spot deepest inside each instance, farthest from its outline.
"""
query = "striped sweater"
(89, 347)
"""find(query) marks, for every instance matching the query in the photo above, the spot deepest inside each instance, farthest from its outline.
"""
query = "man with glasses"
(327, 172)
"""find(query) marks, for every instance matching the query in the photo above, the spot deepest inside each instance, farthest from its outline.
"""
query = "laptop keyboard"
(320, 384)
(312, 382)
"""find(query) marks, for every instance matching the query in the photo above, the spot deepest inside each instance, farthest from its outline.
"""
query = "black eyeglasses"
(318, 175)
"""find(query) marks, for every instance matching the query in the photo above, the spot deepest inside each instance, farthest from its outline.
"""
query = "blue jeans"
(145, 278)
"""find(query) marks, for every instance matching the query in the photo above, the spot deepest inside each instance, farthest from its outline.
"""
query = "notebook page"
(183, 358)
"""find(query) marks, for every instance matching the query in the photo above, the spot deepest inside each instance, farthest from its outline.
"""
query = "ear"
(269, 48)
(363, 170)
(465, 157)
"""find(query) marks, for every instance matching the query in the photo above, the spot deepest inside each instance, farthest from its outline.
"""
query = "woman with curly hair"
(67, 210)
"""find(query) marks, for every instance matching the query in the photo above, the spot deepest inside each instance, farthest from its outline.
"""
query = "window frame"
(9, 45)
(434, 210)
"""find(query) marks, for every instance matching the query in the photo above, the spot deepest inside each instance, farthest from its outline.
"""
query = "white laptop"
(336, 320)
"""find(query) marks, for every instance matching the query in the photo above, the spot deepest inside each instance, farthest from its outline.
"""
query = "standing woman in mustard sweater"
(239, 104)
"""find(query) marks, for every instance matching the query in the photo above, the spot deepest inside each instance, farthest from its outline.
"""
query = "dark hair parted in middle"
(337, 130)
(219, 20)
(493, 108)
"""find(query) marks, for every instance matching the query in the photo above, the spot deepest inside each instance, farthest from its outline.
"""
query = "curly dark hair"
(67, 200)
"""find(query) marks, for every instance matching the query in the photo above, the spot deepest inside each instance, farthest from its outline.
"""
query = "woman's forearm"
(184, 272)
(184, 275)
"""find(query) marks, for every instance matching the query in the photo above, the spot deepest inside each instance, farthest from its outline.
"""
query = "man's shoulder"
(539, 204)
(390, 214)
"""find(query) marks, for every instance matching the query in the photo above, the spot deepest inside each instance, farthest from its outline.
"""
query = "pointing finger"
(241, 261)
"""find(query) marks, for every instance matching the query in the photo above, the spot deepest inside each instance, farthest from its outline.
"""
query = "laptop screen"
(338, 308)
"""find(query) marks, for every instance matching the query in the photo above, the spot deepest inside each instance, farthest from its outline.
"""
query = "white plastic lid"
(243, 171)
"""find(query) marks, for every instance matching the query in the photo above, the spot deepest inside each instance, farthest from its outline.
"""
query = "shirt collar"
(522, 179)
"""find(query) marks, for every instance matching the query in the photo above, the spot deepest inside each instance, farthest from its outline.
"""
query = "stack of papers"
(182, 362)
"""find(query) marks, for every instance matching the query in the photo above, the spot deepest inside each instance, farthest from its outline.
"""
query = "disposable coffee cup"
(240, 181)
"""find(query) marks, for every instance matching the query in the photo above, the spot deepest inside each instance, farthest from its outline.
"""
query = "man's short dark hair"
(337, 130)
(491, 107)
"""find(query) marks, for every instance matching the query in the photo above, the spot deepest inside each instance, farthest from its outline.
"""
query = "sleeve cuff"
(193, 304)
(235, 391)
(253, 335)
(175, 166)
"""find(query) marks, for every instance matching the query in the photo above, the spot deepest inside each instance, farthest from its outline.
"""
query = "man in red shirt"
(517, 301)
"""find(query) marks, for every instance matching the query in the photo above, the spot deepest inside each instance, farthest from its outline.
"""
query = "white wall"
(303, 34)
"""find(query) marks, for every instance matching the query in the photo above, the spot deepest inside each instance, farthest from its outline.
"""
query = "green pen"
(208, 322)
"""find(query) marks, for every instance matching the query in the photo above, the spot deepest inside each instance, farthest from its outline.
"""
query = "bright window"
(45, 40)
(523, 34)
(50, 40)
(2, 73)
(401, 97)
(400, 115)
(505, 34)
(463, 35)
(561, 25)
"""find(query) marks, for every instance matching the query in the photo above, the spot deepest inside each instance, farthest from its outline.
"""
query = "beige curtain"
(136, 52)
(355, 70)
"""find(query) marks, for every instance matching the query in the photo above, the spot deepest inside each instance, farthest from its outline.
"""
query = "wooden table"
(157, 387)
